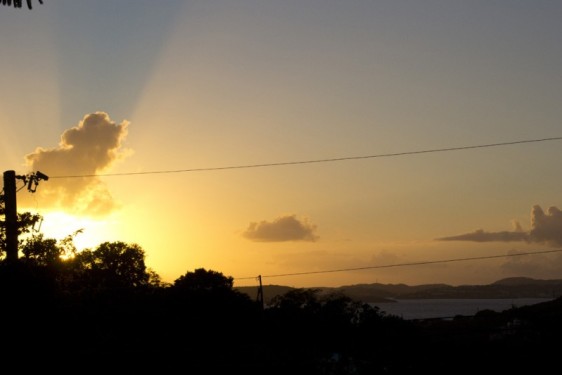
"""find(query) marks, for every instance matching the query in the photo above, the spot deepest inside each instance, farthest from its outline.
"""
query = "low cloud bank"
(546, 228)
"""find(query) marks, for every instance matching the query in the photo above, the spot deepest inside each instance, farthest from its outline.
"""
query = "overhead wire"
(328, 160)
(402, 264)
(349, 158)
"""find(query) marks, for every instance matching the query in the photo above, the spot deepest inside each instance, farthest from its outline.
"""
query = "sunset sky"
(287, 138)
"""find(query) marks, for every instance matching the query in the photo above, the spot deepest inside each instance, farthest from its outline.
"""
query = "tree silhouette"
(203, 280)
(25, 223)
(18, 3)
(112, 265)
(110, 319)
(208, 292)
(41, 251)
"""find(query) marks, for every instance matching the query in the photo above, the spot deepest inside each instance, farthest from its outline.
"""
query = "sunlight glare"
(59, 225)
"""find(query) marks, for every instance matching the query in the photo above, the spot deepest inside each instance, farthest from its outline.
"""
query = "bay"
(411, 309)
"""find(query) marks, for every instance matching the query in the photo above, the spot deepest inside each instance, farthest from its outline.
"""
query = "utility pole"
(11, 216)
(11, 208)
(260, 293)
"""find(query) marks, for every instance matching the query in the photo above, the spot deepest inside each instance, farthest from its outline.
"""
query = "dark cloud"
(284, 228)
(546, 228)
(89, 148)
(483, 236)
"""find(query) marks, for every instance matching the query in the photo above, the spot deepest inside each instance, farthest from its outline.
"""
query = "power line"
(315, 161)
(403, 264)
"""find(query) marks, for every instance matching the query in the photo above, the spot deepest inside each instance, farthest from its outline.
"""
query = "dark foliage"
(18, 3)
(103, 309)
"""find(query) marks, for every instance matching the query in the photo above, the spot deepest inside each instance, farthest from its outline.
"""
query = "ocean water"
(448, 308)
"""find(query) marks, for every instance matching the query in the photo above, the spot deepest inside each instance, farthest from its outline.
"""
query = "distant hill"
(516, 281)
(515, 287)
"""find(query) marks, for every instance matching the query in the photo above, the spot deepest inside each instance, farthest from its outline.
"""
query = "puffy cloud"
(87, 149)
(284, 228)
(546, 228)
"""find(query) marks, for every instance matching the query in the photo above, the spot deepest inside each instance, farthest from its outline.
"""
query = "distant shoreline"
(417, 309)
(509, 288)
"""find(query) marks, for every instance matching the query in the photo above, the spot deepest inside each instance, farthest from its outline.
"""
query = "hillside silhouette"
(104, 309)
(515, 287)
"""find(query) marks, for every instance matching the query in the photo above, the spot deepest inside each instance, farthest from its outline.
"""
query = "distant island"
(514, 287)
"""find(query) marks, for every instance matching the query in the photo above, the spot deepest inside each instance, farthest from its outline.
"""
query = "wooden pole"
(260, 293)
(11, 216)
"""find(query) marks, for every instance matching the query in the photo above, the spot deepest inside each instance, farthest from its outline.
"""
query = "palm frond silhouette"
(18, 3)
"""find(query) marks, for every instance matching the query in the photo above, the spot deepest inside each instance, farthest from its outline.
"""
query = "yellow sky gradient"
(180, 91)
